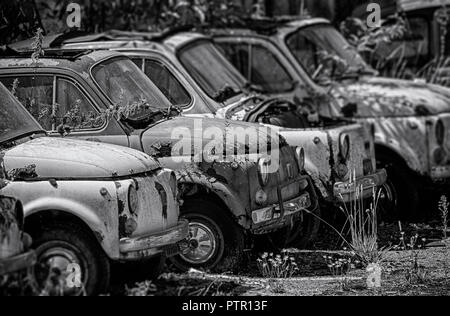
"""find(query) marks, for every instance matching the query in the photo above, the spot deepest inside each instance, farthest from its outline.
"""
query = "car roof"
(269, 27)
(113, 39)
(76, 60)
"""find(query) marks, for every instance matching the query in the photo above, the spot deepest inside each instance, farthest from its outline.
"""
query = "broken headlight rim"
(344, 146)
(300, 156)
(263, 171)
(133, 200)
(440, 132)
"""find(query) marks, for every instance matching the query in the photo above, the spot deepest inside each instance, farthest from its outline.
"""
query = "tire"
(207, 219)
(305, 233)
(71, 244)
(400, 196)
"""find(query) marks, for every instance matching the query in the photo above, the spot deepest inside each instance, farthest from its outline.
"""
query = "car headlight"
(263, 171)
(440, 133)
(345, 146)
(300, 155)
(133, 200)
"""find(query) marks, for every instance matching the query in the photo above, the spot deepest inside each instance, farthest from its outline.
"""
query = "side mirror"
(350, 110)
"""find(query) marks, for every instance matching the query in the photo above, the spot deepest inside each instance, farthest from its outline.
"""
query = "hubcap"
(61, 261)
(202, 244)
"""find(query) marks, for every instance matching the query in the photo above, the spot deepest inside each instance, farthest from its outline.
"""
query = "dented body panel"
(99, 199)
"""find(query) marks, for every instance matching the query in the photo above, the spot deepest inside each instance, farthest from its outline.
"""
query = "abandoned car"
(86, 204)
(410, 120)
(15, 255)
(422, 51)
(103, 96)
(193, 75)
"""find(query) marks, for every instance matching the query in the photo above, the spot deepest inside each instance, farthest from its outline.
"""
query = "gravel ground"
(314, 279)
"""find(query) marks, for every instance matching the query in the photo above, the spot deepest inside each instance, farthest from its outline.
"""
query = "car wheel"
(399, 199)
(70, 262)
(305, 233)
(216, 242)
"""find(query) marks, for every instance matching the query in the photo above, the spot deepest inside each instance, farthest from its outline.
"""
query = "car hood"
(57, 158)
(393, 97)
(159, 140)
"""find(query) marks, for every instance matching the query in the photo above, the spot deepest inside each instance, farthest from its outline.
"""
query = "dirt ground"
(432, 277)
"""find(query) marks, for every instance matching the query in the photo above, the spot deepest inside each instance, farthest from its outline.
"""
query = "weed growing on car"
(281, 266)
(443, 208)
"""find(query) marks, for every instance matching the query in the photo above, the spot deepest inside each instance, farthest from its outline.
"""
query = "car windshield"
(15, 121)
(127, 86)
(324, 53)
(211, 71)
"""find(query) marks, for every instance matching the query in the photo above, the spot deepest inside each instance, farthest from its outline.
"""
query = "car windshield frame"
(20, 117)
(151, 96)
(236, 81)
(355, 65)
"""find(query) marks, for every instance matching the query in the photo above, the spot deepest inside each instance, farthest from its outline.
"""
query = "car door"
(64, 107)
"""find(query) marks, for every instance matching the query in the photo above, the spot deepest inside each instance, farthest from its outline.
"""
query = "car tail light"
(440, 132)
(163, 197)
(300, 155)
(133, 200)
(263, 171)
(344, 146)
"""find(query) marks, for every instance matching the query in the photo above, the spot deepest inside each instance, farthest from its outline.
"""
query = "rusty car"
(15, 253)
(88, 204)
(410, 120)
(192, 74)
(230, 201)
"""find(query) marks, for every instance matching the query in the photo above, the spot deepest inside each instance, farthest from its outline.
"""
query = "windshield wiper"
(253, 87)
(226, 93)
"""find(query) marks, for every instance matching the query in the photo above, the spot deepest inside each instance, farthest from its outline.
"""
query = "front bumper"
(285, 213)
(346, 192)
(167, 242)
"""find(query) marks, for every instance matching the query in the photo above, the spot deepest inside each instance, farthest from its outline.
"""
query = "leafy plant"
(280, 266)
(339, 268)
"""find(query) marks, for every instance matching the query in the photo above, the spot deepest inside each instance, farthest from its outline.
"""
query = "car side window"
(238, 55)
(74, 109)
(267, 72)
(167, 83)
(36, 94)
